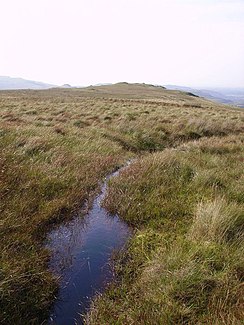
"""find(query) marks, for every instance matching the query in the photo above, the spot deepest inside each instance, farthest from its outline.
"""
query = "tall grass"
(185, 264)
(56, 147)
(217, 221)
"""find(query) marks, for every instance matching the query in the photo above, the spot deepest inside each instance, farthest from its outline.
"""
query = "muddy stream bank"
(80, 255)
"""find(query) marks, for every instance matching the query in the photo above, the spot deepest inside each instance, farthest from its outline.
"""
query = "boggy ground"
(185, 264)
(184, 195)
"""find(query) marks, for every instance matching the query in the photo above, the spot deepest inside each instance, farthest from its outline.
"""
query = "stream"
(80, 255)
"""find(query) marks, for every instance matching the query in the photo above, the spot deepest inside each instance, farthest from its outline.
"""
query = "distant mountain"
(231, 96)
(103, 84)
(19, 83)
(65, 86)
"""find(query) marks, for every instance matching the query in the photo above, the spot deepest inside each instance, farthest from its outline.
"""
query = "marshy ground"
(183, 195)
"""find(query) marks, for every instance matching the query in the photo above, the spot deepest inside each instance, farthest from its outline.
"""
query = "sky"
(83, 42)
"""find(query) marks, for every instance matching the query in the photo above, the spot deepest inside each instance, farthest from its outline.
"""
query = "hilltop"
(124, 90)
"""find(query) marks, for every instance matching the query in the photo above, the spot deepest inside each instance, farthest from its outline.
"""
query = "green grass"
(185, 264)
(44, 180)
(56, 147)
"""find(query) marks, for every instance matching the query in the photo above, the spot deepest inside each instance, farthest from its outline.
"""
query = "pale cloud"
(90, 41)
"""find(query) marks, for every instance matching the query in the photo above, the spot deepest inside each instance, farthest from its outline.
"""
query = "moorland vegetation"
(183, 195)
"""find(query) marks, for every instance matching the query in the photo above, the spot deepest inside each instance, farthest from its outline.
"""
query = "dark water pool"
(81, 250)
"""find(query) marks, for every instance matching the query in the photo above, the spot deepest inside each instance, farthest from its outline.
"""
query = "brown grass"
(57, 145)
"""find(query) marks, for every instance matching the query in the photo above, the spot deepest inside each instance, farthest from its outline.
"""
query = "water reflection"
(81, 250)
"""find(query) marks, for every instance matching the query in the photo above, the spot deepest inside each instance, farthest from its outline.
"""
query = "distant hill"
(66, 86)
(125, 89)
(19, 83)
(231, 96)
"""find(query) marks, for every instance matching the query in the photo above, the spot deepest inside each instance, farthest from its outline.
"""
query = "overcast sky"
(83, 42)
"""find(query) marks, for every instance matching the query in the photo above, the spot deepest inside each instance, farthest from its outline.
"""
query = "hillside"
(182, 194)
(231, 96)
(19, 83)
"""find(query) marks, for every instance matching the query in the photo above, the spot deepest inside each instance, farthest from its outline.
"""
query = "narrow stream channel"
(81, 251)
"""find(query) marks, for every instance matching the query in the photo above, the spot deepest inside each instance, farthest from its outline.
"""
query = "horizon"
(131, 83)
(189, 43)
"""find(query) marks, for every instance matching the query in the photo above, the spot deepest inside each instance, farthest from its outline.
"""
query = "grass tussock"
(57, 145)
(217, 221)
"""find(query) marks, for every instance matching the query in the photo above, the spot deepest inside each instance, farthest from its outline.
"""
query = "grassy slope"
(56, 146)
(185, 264)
